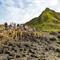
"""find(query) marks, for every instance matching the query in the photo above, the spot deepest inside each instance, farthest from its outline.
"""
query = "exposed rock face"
(31, 48)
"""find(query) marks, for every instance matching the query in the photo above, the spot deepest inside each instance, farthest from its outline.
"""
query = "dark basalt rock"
(31, 48)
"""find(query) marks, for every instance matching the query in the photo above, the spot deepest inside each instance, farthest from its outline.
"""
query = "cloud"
(21, 11)
(53, 2)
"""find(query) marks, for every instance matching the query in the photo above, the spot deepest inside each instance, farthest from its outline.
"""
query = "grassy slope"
(49, 20)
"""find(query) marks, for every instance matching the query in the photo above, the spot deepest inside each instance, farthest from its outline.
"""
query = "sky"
(22, 11)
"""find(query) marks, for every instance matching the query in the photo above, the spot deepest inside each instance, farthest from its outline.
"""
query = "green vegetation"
(49, 21)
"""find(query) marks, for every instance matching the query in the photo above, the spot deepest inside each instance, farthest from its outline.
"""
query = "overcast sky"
(21, 11)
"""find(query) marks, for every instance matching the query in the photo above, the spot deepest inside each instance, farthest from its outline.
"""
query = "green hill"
(49, 20)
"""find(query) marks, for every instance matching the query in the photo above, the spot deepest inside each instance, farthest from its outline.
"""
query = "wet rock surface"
(31, 48)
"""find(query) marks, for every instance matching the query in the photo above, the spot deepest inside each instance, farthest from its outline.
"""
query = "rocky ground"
(46, 47)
